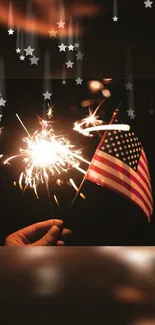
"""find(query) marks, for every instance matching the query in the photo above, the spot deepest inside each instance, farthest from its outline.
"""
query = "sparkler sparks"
(121, 127)
(46, 155)
(93, 123)
(76, 188)
(50, 112)
(91, 120)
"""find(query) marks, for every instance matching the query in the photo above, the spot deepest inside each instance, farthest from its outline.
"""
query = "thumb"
(49, 239)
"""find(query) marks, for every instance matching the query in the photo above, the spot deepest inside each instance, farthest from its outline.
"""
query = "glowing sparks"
(91, 120)
(92, 123)
(76, 188)
(56, 200)
(120, 127)
(59, 182)
(50, 112)
(44, 155)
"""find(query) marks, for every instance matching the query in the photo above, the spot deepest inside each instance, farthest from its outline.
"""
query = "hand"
(44, 233)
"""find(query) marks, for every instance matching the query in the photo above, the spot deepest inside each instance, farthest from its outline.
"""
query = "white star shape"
(77, 44)
(71, 47)
(129, 86)
(18, 50)
(34, 60)
(62, 47)
(115, 18)
(148, 4)
(131, 114)
(47, 95)
(79, 56)
(61, 24)
(64, 82)
(22, 57)
(69, 64)
(0, 121)
(29, 50)
(10, 31)
(2, 102)
(53, 32)
(79, 81)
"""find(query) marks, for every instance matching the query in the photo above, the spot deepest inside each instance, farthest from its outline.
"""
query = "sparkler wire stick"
(23, 126)
(103, 138)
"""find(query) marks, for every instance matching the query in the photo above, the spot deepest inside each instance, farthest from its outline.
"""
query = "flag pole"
(115, 113)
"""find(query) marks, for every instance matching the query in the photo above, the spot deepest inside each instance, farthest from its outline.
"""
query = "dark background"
(114, 220)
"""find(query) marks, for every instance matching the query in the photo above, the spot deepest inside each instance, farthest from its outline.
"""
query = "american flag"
(120, 164)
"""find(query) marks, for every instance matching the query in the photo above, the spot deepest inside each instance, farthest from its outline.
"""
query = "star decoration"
(29, 50)
(2, 102)
(148, 4)
(62, 47)
(10, 31)
(47, 95)
(77, 44)
(79, 56)
(61, 24)
(52, 33)
(129, 86)
(79, 81)
(34, 60)
(71, 47)
(69, 64)
(151, 111)
(22, 58)
(131, 114)
(115, 18)
(0, 120)
(18, 50)
(64, 82)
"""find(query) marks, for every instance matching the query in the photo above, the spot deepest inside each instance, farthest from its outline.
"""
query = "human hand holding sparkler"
(46, 233)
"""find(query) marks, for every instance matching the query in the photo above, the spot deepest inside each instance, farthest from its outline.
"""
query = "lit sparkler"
(92, 123)
(46, 154)
(91, 120)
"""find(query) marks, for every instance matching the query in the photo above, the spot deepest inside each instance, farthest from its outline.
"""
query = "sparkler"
(91, 120)
(92, 123)
(46, 155)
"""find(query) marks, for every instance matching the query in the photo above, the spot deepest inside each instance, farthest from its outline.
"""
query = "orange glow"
(106, 93)
(107, 80)
(43, 24)
(95, 85)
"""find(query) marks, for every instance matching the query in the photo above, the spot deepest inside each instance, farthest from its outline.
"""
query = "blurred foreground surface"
(115, 285)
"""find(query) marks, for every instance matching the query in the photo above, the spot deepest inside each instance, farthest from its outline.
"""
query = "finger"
(39, 228)
(66, 232)
(49, 239)
(60, 243)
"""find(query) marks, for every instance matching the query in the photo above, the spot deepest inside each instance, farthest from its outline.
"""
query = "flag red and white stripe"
(109, 171)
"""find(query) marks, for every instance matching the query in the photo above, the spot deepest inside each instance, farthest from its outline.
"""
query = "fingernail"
(55, 230)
